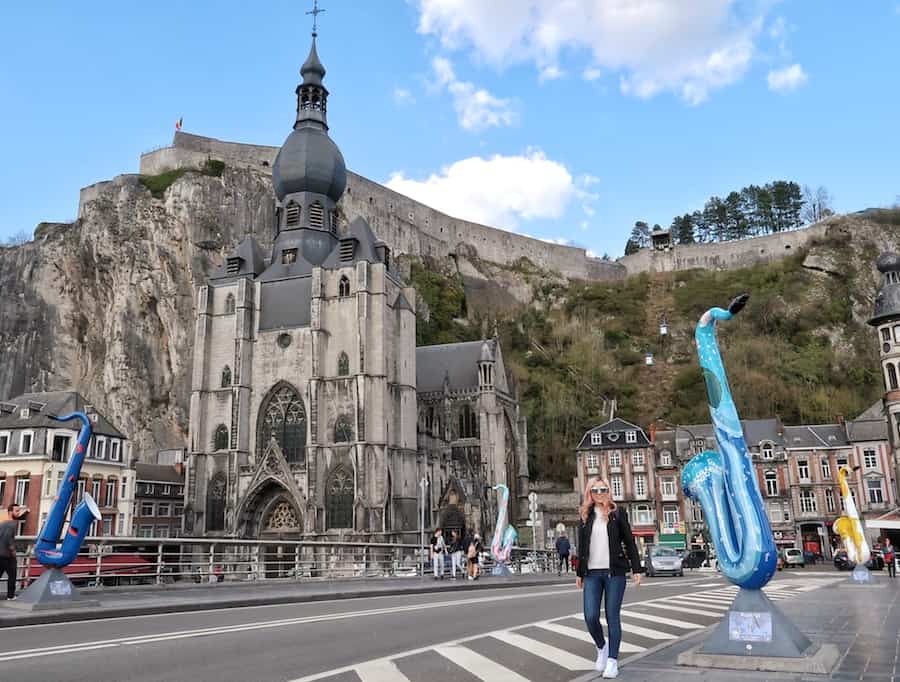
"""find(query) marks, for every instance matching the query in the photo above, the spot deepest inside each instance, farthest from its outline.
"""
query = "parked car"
(793, 557)
(842, 561)
(660, 560)
(694, 559)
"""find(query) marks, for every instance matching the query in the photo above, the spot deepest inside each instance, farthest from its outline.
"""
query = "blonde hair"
(588, 503)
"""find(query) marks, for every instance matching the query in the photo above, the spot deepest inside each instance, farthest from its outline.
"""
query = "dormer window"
(767, 451)
(631, 436)
(348, 246)
(24, 413)
(233, 266)
(344, 286)
(288, 256)
(596, 438)
(316, 215)
(292, 215)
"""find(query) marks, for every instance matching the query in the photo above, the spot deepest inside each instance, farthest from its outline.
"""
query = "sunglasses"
(602, 489)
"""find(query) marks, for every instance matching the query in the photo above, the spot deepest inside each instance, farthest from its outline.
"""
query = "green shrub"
(158, 184)
(213, 167)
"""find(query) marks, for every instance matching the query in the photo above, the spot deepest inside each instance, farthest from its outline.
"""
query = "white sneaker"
(602, 655)
(612, 669)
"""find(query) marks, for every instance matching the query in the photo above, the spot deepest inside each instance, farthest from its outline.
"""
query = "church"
(312, 413)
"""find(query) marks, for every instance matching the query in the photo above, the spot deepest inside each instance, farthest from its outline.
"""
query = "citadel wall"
(412, 228)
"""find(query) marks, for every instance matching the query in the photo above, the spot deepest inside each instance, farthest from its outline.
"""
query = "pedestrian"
(604, 540)
(438, 547)
(473, 552)
(8, 565)
(562, 548)
(888, 553)
(456, 552)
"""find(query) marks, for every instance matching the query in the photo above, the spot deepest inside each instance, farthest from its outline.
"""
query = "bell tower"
(886, 319)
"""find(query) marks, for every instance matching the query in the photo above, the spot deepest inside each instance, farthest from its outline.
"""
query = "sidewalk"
(135, 601)
(862, 622)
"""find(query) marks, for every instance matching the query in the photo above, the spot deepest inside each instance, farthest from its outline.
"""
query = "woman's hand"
(637, 579)
(579, 582)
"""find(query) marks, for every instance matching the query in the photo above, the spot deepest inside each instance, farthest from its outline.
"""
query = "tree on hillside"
(640, 234)
(816, 204)
(631, 247)
(683, 229)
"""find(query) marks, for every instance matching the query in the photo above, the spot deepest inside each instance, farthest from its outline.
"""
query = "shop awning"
(889, 521)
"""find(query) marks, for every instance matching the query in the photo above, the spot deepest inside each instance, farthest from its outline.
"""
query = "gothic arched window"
(283, 517)
(283, 417)
(220, 439)
(343, 429)
(226, 377)
(339, 499)
(229, 304)
(892, 376)
(344, 286)
(468, 422)
(343, 364)
(215, 502)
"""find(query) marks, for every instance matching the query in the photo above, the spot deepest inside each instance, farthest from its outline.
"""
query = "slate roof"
(755, 432)
(459, 363)
(363, 249)
(870, 425)
(613, 436)
(58, 403)
(163, 473)
(252, 261)
(815, 437)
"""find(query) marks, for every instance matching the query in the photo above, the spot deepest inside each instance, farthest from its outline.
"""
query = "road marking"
(682, 609)
(550, 653)
(380, 671)
(480, 666)
(683, 624)
(642, 632)
(136, 640)
(706, 600)
(585, 636)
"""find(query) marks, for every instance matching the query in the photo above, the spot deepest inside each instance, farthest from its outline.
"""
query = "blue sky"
(566, 120)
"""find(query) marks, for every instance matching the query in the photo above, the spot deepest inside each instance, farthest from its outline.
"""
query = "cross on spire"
(315, 11)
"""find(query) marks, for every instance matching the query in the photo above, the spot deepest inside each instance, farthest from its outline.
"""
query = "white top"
(599, 557)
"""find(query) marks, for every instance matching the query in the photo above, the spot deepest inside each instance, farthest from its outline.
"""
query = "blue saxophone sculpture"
(47, 549)
(724, 482)
(504, 539)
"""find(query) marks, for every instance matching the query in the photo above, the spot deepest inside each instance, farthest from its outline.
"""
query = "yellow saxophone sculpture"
(849, 527)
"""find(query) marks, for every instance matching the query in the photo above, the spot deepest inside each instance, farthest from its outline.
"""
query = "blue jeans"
(596, 583)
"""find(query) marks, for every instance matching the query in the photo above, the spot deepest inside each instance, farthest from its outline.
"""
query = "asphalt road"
(509, 634)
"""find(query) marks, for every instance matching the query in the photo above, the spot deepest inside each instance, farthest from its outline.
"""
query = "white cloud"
(498, 191)
(550, 73)
(688, 48)
(476, 109)
(787, 79)
(402, 97)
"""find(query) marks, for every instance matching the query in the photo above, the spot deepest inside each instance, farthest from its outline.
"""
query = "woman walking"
(606, 548)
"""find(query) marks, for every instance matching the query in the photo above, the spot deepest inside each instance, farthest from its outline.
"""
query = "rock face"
(105, 306)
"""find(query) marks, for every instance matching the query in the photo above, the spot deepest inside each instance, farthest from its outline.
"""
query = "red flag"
(178, 123)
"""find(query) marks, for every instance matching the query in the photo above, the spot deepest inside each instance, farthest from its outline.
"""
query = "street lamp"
(423, 485)
(663, 326)
(648, 358)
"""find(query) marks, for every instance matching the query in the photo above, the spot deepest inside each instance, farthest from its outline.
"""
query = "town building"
(158, 500)
(35, 450)
(620, 452)
(312, 411)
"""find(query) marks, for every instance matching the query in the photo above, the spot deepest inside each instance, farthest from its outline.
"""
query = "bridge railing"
(118, 561)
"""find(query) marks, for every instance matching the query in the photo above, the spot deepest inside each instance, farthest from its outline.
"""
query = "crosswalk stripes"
(558, 649)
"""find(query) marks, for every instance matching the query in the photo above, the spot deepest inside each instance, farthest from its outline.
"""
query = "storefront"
(673, 540)
(643, 537)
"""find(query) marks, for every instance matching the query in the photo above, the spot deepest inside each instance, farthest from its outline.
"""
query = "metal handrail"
(119, 561)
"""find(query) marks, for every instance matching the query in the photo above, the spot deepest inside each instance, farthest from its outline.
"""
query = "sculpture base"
(754, 626)
(818, 660)
(52, 590)
(501, 569)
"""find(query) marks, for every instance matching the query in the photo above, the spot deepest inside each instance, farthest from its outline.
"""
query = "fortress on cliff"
(413, 228)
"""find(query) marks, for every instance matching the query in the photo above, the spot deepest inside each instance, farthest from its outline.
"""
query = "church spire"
(312, 96)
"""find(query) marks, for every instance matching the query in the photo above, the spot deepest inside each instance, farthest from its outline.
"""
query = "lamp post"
(423, 484)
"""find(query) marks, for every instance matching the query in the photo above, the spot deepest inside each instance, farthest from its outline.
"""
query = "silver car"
(662, 560)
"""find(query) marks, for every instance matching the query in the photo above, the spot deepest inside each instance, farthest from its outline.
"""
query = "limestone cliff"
(105, 306)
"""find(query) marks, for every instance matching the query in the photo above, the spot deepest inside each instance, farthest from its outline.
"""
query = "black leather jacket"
(622, 548)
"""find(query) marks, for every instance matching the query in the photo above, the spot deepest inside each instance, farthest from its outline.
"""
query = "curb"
(188, 607)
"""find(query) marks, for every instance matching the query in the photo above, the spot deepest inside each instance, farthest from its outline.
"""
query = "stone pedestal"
(52, 590)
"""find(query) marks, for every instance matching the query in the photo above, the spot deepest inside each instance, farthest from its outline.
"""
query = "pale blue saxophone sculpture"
(724, 483)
